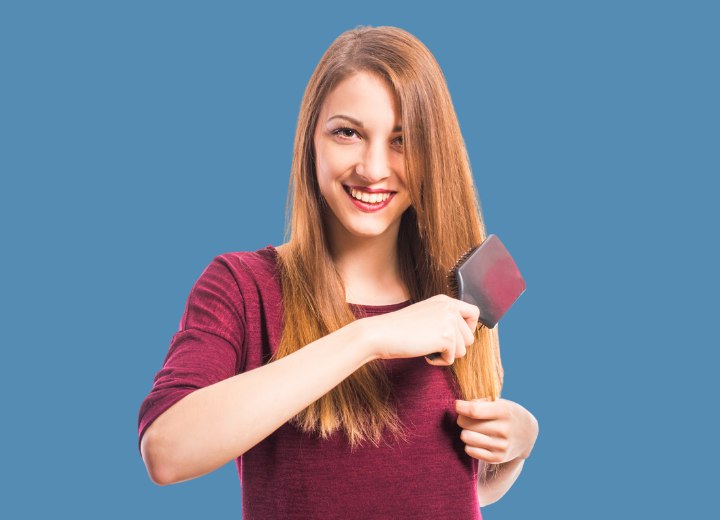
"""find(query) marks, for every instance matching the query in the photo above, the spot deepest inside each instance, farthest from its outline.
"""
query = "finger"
(492, 428)
(472, 323)
(481, 440)
(468, 311)
(460, 349)
(484, 455)
(474, 424)
(438, 359)
(443, 358)
(448, 355)
(478, 408)
(466, 332)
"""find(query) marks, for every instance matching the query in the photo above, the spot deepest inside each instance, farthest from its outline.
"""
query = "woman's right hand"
(439, 324)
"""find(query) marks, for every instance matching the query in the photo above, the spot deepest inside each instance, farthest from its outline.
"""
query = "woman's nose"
(375, 164)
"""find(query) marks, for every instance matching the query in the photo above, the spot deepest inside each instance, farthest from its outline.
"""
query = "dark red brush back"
(489, 279)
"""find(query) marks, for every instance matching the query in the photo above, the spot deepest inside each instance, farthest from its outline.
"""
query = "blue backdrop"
(140, 139)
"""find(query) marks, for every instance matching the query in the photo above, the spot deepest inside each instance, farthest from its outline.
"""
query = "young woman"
(306, 362)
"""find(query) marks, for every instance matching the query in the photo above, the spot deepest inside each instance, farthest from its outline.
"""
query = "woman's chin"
(367, 231)
(362, 228)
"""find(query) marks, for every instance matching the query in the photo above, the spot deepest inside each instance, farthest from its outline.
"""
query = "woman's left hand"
(496, 431)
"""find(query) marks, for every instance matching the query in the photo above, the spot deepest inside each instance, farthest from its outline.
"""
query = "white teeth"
(373, 198)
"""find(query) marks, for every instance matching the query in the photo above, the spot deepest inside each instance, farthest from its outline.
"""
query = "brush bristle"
(452, 273)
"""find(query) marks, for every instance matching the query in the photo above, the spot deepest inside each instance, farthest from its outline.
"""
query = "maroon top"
(231, 324)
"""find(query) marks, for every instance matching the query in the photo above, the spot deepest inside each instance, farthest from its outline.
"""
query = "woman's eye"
(346, 133)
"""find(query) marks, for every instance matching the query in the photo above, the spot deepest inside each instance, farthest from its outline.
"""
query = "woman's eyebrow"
(358, 123)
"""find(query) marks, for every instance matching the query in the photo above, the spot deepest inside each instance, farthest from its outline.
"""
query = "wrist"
(361, 333)
(535, 430)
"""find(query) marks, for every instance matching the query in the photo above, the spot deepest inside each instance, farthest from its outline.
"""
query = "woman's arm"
(218, 423)
(501, 433)
(498, 480)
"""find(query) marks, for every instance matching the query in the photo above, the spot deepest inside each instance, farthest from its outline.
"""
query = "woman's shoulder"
(259, 258)
(249, 266)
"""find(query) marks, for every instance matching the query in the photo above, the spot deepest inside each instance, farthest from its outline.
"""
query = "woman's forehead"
(365, 99)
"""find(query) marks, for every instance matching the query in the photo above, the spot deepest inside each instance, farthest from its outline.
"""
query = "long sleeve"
(206, 349)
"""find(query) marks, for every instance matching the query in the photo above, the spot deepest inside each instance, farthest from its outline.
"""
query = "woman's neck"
(369, 269)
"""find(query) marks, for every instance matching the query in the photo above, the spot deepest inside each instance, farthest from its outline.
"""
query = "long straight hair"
(443, 221)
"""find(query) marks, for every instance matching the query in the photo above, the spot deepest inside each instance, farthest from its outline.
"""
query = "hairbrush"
(486, 276)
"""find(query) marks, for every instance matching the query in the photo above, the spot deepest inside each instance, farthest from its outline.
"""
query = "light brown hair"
(443, 221)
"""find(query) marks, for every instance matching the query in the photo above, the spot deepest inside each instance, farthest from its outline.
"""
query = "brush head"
(487, 277)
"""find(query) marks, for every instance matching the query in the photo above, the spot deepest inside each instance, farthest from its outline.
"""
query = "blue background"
(140, 139)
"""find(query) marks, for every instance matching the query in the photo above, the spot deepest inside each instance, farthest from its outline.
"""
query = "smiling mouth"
(369, 198)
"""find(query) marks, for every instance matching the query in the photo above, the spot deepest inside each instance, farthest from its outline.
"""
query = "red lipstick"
(370, 207)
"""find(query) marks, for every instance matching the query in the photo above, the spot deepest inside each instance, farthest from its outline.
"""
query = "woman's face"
(359, 155)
